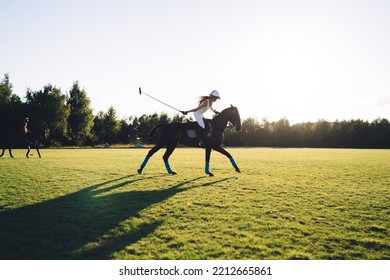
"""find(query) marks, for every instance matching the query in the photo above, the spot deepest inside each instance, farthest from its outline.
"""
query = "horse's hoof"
(210, 174)
(238, 170)
(139, 171)
(173, 173)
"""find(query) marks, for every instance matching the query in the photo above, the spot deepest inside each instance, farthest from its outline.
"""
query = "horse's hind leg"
(167, 154)
(28, 151)
(2, 153)
(10, 149)
(151, 152)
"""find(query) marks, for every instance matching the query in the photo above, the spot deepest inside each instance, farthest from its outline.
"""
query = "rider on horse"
(24, 128)
(205, 103)
(25, 131)
(171, 134)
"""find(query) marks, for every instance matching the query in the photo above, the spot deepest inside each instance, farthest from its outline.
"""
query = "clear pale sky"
(303, 60)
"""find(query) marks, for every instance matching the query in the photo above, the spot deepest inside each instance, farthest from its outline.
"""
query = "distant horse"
(31, 140)
(170, 135)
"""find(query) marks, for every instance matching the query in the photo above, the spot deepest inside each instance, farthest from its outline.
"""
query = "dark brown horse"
(170, 135)
(31, 140)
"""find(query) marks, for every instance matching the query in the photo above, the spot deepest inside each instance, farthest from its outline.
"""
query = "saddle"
(194, 131)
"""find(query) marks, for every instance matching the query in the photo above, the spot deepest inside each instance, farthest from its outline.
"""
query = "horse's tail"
(153, 131)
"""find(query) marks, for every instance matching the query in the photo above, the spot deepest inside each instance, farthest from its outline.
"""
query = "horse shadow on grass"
(60, 228)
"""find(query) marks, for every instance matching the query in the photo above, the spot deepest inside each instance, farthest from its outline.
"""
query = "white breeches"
(199, 118)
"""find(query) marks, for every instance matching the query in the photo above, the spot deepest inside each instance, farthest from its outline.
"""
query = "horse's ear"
(231, 105)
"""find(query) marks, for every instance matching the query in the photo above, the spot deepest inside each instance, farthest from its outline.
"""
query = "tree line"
(320, 134)
(68, 120)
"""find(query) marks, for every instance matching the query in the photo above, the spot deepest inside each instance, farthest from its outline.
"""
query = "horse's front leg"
(229, 156)
(2, 153)
(207, 163)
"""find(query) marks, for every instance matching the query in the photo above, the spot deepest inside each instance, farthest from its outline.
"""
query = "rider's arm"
(201, 105)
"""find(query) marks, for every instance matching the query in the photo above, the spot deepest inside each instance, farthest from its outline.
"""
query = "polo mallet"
(142, 92)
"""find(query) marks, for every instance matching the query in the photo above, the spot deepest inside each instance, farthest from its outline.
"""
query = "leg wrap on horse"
(145, 162)
(207, 168)
(168, 167)
(233, 162)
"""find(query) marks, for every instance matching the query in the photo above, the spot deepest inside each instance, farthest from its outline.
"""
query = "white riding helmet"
(215, 94)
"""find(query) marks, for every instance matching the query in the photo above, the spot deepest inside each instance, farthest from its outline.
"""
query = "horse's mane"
(223, 112)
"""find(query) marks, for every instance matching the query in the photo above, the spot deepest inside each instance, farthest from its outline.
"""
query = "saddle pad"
(191, 133)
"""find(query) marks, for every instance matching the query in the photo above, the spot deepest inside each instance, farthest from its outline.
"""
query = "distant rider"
(25, 126)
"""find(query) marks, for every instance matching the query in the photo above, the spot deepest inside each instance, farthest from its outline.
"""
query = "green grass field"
(286, 204)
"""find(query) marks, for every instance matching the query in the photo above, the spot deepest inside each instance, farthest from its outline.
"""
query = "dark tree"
(80, 119)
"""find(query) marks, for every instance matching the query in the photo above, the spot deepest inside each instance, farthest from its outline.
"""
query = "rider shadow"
(65, 227)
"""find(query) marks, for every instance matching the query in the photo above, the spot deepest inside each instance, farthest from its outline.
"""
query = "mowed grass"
(286, 204)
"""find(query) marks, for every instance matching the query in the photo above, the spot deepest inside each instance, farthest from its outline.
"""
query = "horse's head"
(234, 117)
